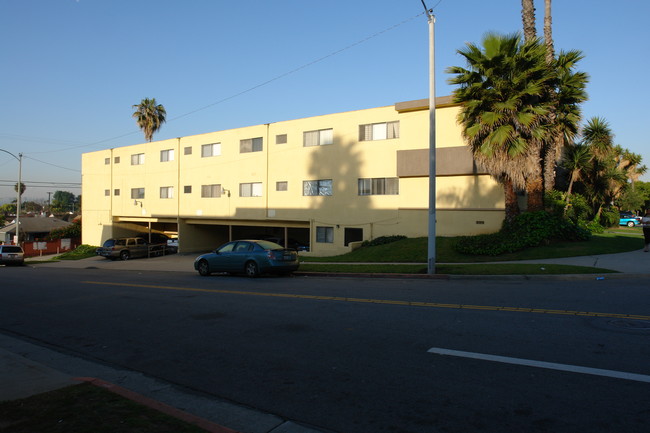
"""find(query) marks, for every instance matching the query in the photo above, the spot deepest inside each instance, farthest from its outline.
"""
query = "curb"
(206, 425)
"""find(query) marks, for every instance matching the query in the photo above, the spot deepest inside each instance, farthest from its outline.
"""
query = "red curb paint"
(206, 425)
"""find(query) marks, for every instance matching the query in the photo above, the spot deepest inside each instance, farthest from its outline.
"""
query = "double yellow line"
(382, 301)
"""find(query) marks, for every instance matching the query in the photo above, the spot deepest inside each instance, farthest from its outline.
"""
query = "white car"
(11, 255)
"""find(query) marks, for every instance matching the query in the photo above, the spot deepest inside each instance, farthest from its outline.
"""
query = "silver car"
(11, 255)
(251, 257)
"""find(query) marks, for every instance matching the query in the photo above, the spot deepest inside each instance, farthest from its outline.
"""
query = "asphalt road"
(361, 355)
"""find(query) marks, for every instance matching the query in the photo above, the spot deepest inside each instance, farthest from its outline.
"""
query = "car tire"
(125, 255)
(203, 268)
(251, 269)
(630, 224)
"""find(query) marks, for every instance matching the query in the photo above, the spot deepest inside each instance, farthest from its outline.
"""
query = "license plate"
(288, 257)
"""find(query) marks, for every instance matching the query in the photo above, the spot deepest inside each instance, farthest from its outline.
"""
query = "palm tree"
(503, 114)
(528, 18)
(149, 116)
(576, 159)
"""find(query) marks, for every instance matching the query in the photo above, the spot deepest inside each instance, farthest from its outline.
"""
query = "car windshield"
(109, 243)
(12, 249)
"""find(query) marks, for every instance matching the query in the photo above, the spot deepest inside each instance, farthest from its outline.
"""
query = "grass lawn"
(85, 408)
(414, 250)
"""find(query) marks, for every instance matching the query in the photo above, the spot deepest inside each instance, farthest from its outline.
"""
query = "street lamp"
(18, 190)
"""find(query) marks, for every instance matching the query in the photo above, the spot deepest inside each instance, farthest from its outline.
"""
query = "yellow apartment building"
(326, 182)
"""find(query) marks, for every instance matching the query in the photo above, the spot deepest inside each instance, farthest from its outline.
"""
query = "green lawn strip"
(414, 250)
(85, 408)
(460, 269)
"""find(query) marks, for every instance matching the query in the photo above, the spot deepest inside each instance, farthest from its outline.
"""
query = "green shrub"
(81, 252)
(382, 240)
(609, 217)
(72, 231)
(529, 229)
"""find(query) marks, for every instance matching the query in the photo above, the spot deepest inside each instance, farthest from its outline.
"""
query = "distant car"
(629, 220)
(291, 243)
(129, 248)
(172, 246)
(251, 257)
(12, 255)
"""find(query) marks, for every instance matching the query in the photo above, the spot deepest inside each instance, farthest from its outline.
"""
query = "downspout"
(178, 193)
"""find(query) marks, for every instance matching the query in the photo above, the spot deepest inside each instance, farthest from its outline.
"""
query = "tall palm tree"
(503, 112)
(528, 18)
(150, 116)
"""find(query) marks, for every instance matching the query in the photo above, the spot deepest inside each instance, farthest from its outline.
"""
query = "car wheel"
(204, 268)
(251, 269)
(124, 255)
(630, 224)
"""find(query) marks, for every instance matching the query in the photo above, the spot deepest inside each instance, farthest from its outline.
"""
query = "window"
(281, 139)
(211, 190)
(318, 138)
(116, 192)
(187, 189)
(251, 145)
(317, 187)
(250, 189)
(107, 192)
(282, 186)
(166, 155)
(137, 159)
(325, 234)
(166, 192)
(379, 186)
(379, 131)
(116, 160)
(187, 150)
(137, 193)
(107, 161)
(208, 150)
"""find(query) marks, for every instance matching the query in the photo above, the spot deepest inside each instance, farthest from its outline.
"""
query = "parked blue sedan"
(251, 257)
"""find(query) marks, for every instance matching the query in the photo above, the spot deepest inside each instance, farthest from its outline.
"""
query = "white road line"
(542, 364)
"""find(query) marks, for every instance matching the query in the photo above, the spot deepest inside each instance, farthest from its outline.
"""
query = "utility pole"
(49, 203)
(18, 191)
(431, 257)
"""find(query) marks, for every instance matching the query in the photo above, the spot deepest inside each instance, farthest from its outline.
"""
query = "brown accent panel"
(450, 161)
(423, 104)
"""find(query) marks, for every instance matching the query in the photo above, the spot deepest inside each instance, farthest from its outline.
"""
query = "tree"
(150, 116)
(503, 112)
(528, 18)
(23, 188)
(576, 160)
(62, 201)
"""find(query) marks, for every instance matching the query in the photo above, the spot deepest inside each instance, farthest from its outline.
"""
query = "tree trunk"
(535, 191)
(528, 17)
(548, 32)
(511, 202)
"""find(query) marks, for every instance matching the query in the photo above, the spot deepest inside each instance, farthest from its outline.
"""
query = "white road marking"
(542, 364)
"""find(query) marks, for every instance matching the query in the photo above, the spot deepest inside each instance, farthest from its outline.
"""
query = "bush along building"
(325, 183)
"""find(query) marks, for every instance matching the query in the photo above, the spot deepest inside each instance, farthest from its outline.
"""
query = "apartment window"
(166, 155)
(325, 234)
(116, 193)
(187, 150)
(107, 192)
(116, 160)
(166, 192)
(281, 139)
(137, 159)
(379, 131)
(137, 193)
(317, 187)
(251, 145)
(211, 190)
(379, 186)
(213, 149)
(282, 186)
(187, 189)
(107, 161)
(250, 189)
(318, 138)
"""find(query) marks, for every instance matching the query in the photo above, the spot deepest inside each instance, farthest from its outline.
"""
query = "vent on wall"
(480, 222)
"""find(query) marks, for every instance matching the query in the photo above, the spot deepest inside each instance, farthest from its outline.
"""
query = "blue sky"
(72, 69)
